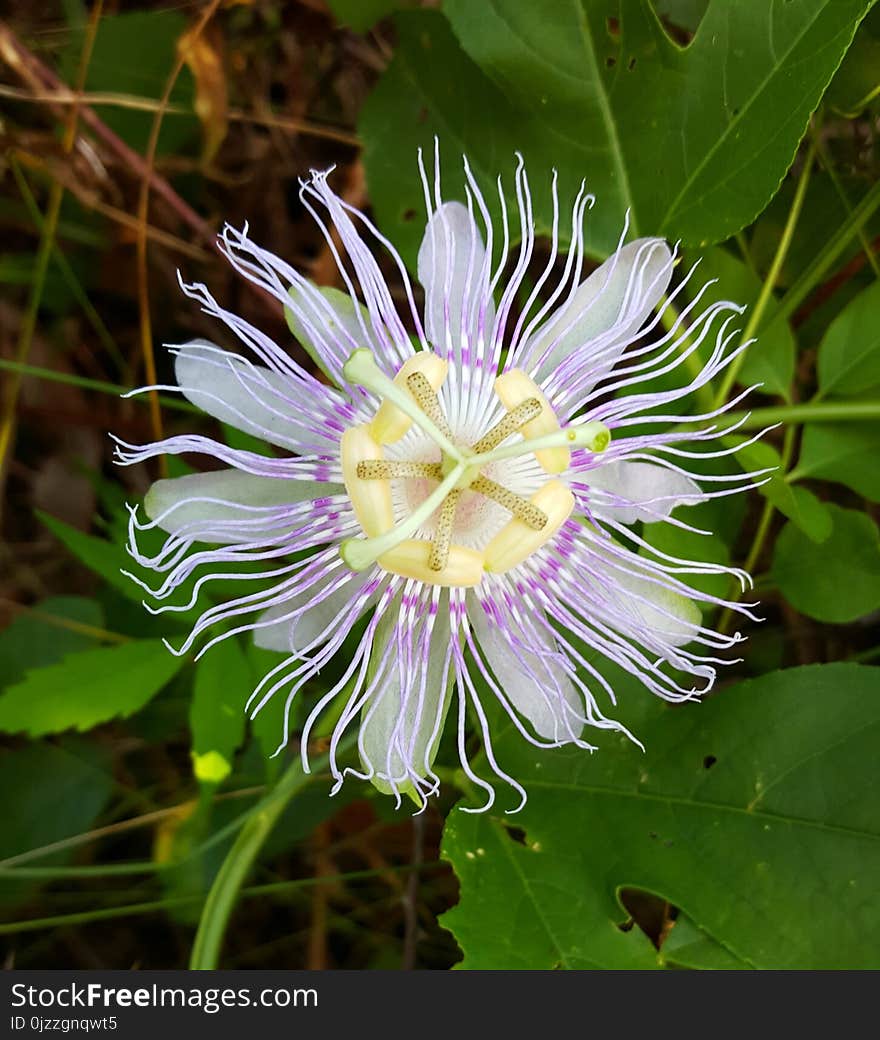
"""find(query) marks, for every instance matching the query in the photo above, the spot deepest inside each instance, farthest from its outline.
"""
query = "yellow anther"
(391, 423)
(370, 498)
(517, 541)
(391, 469)
(521, 507)
(425, 397)
(514, 388)
(513, 421)
(443, 533)
(412, 559)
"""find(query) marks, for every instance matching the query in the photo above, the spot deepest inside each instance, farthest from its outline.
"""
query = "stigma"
(458, 473)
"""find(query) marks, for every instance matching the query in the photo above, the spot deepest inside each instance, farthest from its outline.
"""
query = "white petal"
(641, 491)
(335, 329)
(669, 615)
(203, 502)
(451, 270)
(419, 712)
(292, 635)
(613, 302)
(534, 683)
(248, 397)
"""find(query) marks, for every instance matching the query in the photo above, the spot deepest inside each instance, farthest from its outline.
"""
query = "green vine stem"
(828, 166)
(766, 294)
(810, 412)
(224, 892)
(762, 530)
(825, 259)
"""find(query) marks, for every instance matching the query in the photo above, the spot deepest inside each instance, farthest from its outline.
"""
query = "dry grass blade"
(142, 211)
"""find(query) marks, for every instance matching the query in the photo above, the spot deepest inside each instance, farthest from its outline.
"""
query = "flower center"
(461, 472)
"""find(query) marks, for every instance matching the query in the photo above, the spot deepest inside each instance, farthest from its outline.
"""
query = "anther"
(360, 553)
(517, 541)
(520, 507)
(398, 409)
(426, 398)
(371, 500)
(390, 469)
(515, 419)
(514, 387)
(443, 533)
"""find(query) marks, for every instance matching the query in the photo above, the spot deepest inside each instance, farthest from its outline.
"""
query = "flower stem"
(224, 892)
(766, 293)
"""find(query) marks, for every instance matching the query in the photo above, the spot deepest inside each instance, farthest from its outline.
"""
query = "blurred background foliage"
(747, 836)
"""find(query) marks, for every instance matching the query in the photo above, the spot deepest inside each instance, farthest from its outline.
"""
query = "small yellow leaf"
(210, 768)
(205, 62)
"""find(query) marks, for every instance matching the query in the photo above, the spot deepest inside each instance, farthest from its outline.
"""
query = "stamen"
(375, 469)
(515, 542)
(509, 424)
(359, 553)
(443, 534)
(521, 507)
(513, 387)
(426, 398)
(361, 368)
(371, 501)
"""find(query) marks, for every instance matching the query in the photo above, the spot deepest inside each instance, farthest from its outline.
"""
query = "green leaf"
(849, 355)
(754, 813)
(770, 360)
(30, 642)
(108, 559)
(690, 947)
(693, 141)
(104, 558)
(841, 584)
(801, 506)
(268, 726)
(857, 82)
(135, 53)
(843, 452)
(810, 514)
(53, 793)
(87, 688)
(217, 720)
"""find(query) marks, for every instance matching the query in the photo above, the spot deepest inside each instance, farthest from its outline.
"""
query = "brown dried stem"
(142, 214)
(40, 77)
